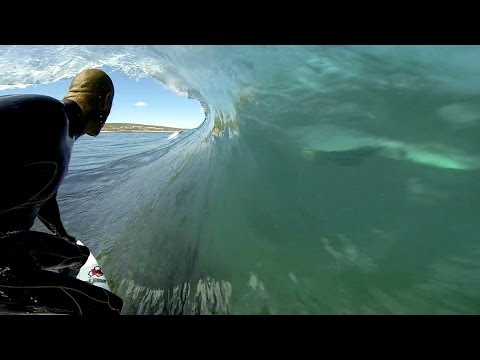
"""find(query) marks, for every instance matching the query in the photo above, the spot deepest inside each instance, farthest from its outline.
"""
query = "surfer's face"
(93, 90)
(97, 121)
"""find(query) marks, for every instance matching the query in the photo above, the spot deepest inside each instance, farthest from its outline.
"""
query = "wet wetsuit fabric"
(35, 150)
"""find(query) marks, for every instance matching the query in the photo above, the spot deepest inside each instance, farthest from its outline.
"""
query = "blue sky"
(145, 101)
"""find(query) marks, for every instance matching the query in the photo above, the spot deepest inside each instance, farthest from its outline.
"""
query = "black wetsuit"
(38, 133)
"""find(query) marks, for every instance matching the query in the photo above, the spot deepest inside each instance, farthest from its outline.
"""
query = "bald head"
(91, 81)
(92, 90)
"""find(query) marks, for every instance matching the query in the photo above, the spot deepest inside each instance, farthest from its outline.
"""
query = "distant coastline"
(126, 127)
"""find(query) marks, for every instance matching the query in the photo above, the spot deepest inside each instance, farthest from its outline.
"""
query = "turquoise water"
(324, 179)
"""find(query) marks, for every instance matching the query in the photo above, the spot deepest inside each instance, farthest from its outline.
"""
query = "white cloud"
(140, 103)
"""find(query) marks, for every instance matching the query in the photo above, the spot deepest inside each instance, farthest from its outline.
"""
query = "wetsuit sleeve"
(49, 215)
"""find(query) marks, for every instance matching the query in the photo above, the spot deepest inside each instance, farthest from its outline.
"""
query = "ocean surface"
(323, 180)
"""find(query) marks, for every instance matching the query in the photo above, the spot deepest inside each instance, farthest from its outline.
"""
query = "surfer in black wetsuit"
(38, 133)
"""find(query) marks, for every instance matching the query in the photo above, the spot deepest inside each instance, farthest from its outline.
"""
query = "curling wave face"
(324, 179)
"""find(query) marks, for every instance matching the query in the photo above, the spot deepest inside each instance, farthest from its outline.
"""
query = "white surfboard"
(92, 273)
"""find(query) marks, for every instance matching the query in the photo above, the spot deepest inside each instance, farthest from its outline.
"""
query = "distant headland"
(118, 127)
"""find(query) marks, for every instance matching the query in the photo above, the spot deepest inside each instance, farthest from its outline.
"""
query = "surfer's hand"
(70, 238)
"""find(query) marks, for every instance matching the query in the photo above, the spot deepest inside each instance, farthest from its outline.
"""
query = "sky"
(145, 101)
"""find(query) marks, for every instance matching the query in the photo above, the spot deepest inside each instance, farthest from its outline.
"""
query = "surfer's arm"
(49, 215)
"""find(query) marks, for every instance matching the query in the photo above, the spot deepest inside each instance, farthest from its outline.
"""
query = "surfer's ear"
(107, 103)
